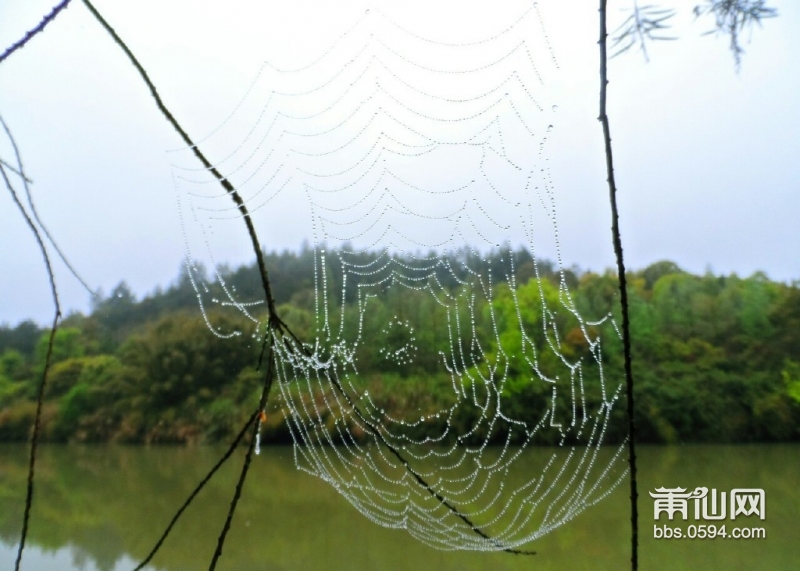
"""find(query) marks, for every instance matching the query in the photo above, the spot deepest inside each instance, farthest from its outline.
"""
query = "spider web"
(413, 165)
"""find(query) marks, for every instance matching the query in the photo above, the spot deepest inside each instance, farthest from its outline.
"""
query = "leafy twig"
(644, 24)
(732, 17)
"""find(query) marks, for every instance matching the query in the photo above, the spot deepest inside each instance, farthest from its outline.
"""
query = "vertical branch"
(36, 425)
(623, 287)
(48, 356)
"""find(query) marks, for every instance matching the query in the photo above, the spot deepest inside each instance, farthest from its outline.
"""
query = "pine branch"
(643, 25)
(732, 17)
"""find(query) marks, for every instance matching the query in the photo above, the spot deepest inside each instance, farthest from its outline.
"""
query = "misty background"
(706, 157)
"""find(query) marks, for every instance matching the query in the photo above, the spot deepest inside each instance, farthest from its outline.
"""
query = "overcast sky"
(707, 159)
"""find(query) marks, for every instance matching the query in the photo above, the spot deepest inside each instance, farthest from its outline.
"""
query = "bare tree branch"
(48, 356)
(196, 491)
(26, 182)
(31, 33)
(15, 171)
(623, 287)
(247, 459)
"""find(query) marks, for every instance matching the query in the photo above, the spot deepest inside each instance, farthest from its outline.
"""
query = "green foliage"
(9, 391)
(63, 376)
(223, 418)
(178, 356)
(16, 422)
(714, 356)
(87, 408)
(791, 377)
(67, 344)
(21, 338)
(12, 364)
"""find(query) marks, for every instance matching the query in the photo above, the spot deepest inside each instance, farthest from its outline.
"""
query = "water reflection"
(103, 507)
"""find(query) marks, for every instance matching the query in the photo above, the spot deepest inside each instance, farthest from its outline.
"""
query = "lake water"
(103, 507)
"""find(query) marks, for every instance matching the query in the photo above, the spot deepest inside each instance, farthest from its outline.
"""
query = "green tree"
(180, 367)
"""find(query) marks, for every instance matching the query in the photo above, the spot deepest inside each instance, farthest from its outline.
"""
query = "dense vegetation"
(716, 358)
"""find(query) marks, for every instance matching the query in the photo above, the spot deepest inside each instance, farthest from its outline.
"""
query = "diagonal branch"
(26, 182)
(276, 325)
(14, 170)
(378, 435)
(31, 33)
(226, 184)
(196, 491)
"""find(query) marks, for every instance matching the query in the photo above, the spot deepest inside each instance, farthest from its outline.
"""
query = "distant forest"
(716, 358)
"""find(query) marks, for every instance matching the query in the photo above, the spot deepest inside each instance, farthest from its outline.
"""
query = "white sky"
(706, 159)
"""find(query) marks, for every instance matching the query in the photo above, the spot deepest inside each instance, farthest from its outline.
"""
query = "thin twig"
(47, 361)
(623, 287)
(26, 185)
(196, 491)
(31, 33)
(15, 171)
(248, 457)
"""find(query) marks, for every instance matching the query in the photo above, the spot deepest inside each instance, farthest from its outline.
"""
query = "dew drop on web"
(385, 157)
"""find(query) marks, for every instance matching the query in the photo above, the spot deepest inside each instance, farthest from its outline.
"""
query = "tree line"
(716, 358)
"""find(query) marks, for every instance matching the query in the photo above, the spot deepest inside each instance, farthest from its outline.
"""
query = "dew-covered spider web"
(416, 164)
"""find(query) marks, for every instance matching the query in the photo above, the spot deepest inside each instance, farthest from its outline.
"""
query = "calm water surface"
(103, 507)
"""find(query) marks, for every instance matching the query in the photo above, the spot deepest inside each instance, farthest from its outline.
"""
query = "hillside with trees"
(716, 358)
